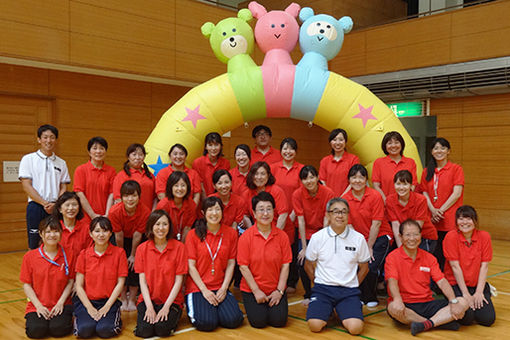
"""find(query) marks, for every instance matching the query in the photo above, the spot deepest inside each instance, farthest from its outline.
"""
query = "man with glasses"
(336, 261)
(408, 271)
(263, 151)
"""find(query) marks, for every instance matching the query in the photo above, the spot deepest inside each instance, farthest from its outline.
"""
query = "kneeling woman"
(101, 271)
(264, 256)
(47, 278)
(468, 251)
(211, 250)
(161, 265)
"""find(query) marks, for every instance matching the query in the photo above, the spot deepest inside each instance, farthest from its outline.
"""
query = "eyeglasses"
(263, 211)
(338, 212)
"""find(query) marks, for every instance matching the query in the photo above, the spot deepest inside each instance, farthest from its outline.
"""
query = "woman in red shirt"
(442, 183)
(161, 265)
(75, 228)
(242, 155)
(47, 274)
(469, 251)
(136, 169)
(179, 205)
(235, 209)
(211, 249)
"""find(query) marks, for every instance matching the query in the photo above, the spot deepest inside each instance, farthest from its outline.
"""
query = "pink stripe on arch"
(278, 88)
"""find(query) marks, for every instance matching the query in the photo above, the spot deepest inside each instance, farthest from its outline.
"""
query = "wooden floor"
(377, 323)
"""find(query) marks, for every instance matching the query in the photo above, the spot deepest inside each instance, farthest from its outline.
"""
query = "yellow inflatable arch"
(247, 92)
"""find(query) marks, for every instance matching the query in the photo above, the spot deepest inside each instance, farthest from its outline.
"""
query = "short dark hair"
(403, 176)
(213, 137)
(467, 211)
(262, 196)
(178, 146)
(151, 221)
(334, 133)
(97, 140)
(218, 173)
(175, 177)
(129, 187)
(103, 222)
(337, 200)
(357, 168)
(200, 224)
(393, 135)
(258, 128)
(245, 148)
(306, 170)
(249, 177)
(61, 200)
(47, 127)
(431, 166)
(52, 222)
(289, 140)
(408, 222)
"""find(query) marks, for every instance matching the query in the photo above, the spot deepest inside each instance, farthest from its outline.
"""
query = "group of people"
(134, 241)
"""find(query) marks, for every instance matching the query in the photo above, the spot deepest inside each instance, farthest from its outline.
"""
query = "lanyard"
(436, 183)
(65, 264)
(213, 257)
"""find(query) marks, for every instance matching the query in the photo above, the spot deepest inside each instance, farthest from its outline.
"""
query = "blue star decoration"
(158, 166)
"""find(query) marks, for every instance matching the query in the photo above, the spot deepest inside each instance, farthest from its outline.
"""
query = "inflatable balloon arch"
(306, 91)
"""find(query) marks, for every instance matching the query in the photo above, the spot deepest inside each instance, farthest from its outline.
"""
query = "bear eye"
(282, 25)
(272, 26)
(224, 33)
(329, 26)
(233, 29)
(318, 24)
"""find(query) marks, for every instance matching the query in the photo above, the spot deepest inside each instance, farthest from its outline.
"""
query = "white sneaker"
(372, 304)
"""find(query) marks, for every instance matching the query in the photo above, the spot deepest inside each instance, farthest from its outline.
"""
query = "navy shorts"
(427, 309)
(325, 298)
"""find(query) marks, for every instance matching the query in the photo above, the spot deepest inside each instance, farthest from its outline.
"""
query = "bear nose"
(322, 31)
(232, 39)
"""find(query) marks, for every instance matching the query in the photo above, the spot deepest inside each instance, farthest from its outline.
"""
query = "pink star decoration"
(365, 114)
(193, 116)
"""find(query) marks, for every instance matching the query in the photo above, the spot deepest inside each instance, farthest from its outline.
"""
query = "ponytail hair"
(200, 224)
(431, 167)
(132, 148)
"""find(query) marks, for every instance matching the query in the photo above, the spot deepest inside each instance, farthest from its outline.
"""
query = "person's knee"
(258, 322)
(162, 330)
(105, 331)
(353, 326)
(36, 331)
(316, 325)
(233, 322)
(205, 325)
(86, 331)
(59, 330)
(486, 319)
(144, 331)
(468, 318)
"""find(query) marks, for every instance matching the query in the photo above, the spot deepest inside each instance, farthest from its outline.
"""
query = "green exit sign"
(407, 109)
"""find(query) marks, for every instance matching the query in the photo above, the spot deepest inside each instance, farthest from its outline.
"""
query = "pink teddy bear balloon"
(277, 33)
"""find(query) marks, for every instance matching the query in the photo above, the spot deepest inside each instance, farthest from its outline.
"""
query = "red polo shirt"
(146, 184)
(270, 157)
(448, 176)
(415, 209)
(238, 181)
(470, 255)
(370, 208)
(413, 276)
(334, 173)
(163, 175)
(160, 269)
(263, 257)
(235, 209)
(312, 208)
(287, 179)
(96, 184)
(385, 168)
(47, 280)
(121, 221)
(78, 239)
(197, 250)
(205, 169)
(101, 271)
(180, 217)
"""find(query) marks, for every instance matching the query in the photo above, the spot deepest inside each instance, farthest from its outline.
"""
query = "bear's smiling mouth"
(320, 38)
(234, 44)
(277, 36)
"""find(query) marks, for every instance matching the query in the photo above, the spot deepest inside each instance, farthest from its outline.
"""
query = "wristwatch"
(454, 301)
(279, 291)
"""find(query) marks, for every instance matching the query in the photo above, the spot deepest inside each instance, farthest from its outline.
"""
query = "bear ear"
(346, 24)
(305, 13)
(245, 15)
(293, 9)
(207, 29)
(256, 9)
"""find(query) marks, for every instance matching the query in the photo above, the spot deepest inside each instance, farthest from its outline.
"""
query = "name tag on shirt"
(58, 169)
(350, 248)
(425, 269)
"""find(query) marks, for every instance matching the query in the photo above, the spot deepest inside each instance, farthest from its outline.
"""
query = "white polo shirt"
(337, 256)
(46, 173)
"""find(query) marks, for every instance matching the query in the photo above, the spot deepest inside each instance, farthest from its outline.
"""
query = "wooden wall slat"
(196, 67)
(47, 13)
(23, 80)
(483, 45)
(163, 10)
(480, 18)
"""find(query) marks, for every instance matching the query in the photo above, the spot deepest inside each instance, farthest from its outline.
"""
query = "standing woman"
(264, 256)
(47, 274)
(178, 154)
(367, 216)
(100, 274)
(75, 228)
(235, 210)
(211, 250)
(211, 161)
(309, 202)
(442, 183)
(469, 251)
(385, 168)
(242, 155)
(136, 169)
(93, 181)
(161, 265)
(406, 204)
(335, 167)
(179, 205)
